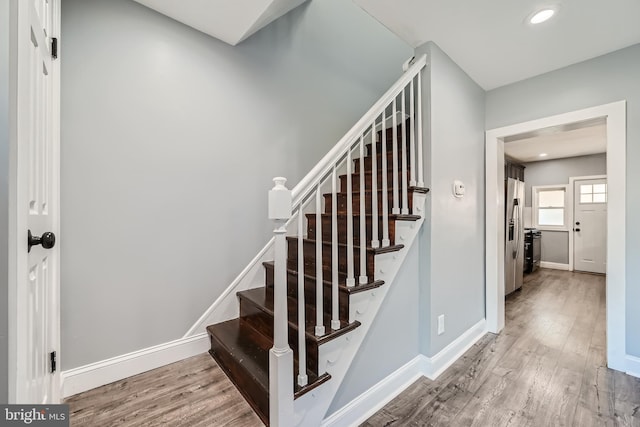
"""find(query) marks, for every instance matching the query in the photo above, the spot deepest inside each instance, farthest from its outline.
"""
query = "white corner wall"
(452, 240)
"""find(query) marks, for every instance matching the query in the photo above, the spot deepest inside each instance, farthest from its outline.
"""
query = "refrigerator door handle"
(516, 217)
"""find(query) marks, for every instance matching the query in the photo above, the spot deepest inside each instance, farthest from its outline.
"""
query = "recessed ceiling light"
(543, 154)
(541, 16)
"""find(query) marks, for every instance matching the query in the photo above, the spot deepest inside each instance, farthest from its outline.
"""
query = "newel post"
(281, 355)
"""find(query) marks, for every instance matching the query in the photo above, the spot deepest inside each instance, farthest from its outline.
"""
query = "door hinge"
(52, 359)
(54, 48)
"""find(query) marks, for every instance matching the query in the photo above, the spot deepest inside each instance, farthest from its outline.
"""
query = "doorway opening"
(614, 116)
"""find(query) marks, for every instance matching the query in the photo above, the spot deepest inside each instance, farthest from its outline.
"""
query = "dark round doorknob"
(576, 229)
(47, 240)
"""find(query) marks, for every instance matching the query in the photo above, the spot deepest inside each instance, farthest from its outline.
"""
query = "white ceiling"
(231, 21)
(492, 42)
(579, 139)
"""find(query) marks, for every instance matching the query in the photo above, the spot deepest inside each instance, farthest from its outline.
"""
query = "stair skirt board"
(375, 398)
(117, 368)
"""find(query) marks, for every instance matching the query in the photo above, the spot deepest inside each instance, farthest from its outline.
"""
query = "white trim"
(633, 366)
(368, 403)
(615, 114)
(371, 401)
(572, 180)
(554, 265)
(439, 363)
(117, 368)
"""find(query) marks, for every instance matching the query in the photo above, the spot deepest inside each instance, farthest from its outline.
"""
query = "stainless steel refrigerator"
(514, 236)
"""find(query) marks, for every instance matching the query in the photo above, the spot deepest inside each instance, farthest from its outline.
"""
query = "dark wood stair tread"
(403, 217)
(262, 298)
(247, 359)
(367, 192)
(357, 288)
(380, 250)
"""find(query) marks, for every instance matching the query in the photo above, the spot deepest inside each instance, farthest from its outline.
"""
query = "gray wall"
(4, 196)
(555, 244)
(558, 171)
(605, 79)
(452, 240)
(395, 327)
(170, 140)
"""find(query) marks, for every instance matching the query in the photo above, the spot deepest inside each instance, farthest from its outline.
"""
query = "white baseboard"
(554, 265)
(371, 401)
(437, 364)
(117, 368)
(633, 366)
(368, 403)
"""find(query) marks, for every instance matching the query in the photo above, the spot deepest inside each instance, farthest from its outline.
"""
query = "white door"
(590, 225)
(34, 272)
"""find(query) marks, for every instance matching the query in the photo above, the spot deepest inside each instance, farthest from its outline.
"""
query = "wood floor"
(547, 368)
(193, 392)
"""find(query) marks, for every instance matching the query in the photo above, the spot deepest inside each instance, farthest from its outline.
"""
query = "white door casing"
(34, 311)
(590, 225)
(615, 114)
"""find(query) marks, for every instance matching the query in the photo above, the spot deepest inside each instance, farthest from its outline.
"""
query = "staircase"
(357, 224)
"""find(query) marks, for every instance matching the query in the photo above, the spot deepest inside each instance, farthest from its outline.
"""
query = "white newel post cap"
(280, 200)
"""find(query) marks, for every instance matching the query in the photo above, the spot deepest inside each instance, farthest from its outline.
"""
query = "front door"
(590, 225)
(35, 315)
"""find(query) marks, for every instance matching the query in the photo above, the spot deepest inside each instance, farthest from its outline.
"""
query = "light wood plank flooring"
(193, 392)
(547, 368)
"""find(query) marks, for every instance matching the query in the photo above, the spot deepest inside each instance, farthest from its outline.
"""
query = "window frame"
(535, 190)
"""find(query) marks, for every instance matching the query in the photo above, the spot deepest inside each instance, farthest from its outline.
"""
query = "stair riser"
(263, 322)
(310, 259)
(389, 131)
(342, 229)
(368, 162)
(310, 291)
(355, 182)
(253, 392)
(341, 199)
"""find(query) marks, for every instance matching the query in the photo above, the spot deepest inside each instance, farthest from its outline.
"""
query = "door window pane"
(600, 188)
(596, 193)
(599, 198)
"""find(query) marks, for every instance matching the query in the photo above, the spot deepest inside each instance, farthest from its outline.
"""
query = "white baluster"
(363, 216)
(335, 316)
(351, 280)
(385, 185)
(375, 243)
(319, 284)
(412, 148)
(396, 193)
(280, 355)
(302, 343)
(420, 160)
(405, 193)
